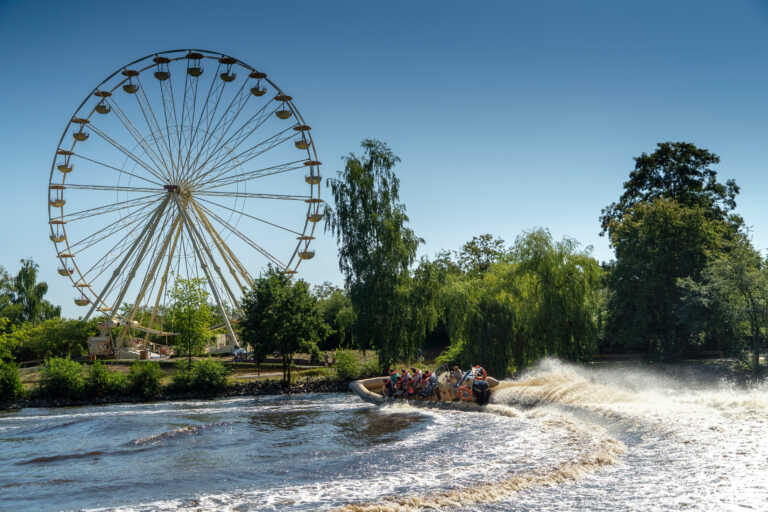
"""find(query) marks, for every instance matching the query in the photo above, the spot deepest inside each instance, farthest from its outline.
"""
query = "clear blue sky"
(507, 115)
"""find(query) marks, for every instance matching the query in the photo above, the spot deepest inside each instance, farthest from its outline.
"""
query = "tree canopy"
(376, 248)
(280, 316)
(681, 172)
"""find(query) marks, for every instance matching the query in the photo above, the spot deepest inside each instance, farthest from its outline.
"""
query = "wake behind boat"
(473, 385)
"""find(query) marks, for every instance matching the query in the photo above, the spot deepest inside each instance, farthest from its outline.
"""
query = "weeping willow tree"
(376, 249)
(542, 299)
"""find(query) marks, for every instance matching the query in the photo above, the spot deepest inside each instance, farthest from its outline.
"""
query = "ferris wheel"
(184, 164)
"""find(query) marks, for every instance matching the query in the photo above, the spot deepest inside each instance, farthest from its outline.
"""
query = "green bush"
(370, 369)
(10, 382)
(346, 365)
(102, 381)
(182, 378)
(62, 378)
(144, 378)
(208, 376)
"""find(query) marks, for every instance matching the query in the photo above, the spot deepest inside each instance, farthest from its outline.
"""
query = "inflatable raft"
(372, 390)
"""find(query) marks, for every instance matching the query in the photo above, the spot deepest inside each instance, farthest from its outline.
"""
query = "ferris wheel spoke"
(200, 234)
(136, 134)
(191, 230)
(157, 256)
(121, 171)
(249, 175)
(239, 103)
(240, 135)
(169, 104)
(126, 152)
(149, 226)
(196, 126)
(140, 255)
(252, 195)
(164, 279)
(226, 253)
(167, 138)
(224, 166)
(244, 238)
(108, 208)
(116, 251)
(115, 188)
(209, 115)
(184, 107)
(251, 216)
(111, 229)
(155, 131)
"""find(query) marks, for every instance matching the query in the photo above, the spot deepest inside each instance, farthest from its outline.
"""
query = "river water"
(559, 438)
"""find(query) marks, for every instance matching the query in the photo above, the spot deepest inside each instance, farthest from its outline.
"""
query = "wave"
(186, 430)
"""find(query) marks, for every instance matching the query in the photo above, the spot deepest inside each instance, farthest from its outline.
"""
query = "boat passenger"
(430, 384)
(416, 381)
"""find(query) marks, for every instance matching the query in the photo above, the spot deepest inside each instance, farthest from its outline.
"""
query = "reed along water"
(560, 437)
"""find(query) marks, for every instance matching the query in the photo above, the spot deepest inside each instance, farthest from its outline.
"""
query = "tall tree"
(656, 244)
(22, 299)
(280, 316)
(477, 255)
(673, 217)
(189, 315)
(376, 248)
(681, 172)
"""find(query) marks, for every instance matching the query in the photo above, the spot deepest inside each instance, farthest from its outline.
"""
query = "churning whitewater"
(560, 437)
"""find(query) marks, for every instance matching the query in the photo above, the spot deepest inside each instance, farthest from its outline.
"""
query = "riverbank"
(253, 388)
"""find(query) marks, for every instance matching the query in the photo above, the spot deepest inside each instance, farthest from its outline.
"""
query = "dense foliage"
(102, 381)
(281, 316)
(144, 379)
(62, 378)
(376, 248)
(189, 315)
(10, 382)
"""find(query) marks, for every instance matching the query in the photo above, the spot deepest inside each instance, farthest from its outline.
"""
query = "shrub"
(182, 377)
(10, 382)
(370, 369)
(144, 378)
(208, 376)
(62, 378)
(102, 381)
(346, 365)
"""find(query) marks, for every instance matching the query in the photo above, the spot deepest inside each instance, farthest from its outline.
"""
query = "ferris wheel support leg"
(152, 227)
(163, 281)
(153, 271)
(221, 246)
(191, 229)
(217, 269)
(128, 253)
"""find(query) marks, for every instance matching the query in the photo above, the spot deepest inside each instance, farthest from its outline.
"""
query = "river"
(559, 438)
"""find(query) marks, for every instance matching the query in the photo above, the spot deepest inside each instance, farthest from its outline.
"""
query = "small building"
(220, 344)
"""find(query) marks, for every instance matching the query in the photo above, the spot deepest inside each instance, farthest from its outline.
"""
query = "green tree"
(21, 297)
(734, 288)
(677, 171)
(280, 316)
(376, 248)
(10, 382)
(656, 244)
(477, 255)
(672, 219)
(542, 299)
(337, 312)
(189, 315)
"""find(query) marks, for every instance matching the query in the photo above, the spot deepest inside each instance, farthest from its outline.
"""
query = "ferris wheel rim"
(73, 272)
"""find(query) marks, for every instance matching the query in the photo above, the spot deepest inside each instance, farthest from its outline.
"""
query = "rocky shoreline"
(258, 388)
